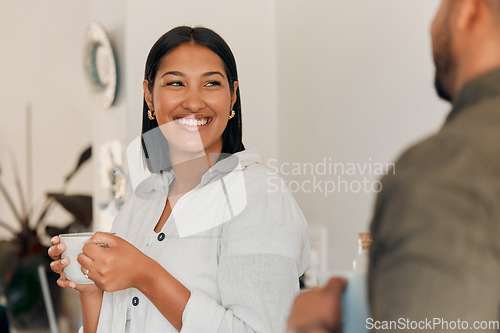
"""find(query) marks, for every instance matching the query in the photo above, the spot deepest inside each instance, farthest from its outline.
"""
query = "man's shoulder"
(435, 154)
(478, 128)
(470, 140)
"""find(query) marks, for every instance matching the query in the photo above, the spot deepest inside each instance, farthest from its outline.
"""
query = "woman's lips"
(192, 122)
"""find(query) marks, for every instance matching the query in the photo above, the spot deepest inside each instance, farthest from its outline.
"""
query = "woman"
(206, 244)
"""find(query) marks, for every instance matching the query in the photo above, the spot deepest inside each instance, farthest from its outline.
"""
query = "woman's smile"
(193, 123)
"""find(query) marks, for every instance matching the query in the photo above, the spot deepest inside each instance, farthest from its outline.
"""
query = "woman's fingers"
(88, 267)
(65, 283)
(84, 261)
(93, 250)
(55, 240)
(58, 265)
(103, 238)
(56, 250)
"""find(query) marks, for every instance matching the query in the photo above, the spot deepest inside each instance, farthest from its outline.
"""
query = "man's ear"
(468, 13)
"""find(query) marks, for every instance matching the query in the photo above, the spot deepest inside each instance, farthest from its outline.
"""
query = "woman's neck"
(189, 169)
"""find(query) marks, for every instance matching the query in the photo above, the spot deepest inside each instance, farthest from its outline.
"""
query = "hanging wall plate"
(99, 65)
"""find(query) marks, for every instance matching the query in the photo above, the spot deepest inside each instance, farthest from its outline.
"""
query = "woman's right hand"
(58, 264)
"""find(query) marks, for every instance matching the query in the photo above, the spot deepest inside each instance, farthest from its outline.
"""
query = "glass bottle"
(360, 262)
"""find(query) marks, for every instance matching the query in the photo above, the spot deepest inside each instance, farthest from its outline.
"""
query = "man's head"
(465, 41)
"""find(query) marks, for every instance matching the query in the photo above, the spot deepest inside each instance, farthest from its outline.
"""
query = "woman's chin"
(194, 149)
(190, 145)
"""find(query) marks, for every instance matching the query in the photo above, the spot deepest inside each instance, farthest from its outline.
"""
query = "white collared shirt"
(238, 242)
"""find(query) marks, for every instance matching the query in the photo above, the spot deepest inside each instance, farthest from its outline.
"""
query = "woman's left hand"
(114, 268)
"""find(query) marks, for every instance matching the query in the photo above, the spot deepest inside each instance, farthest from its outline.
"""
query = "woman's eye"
(174, 84)
(213, 83)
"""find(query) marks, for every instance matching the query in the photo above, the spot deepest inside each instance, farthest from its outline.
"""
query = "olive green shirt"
(436, 228)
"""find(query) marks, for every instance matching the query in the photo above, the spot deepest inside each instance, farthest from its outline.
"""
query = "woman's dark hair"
(154, 145)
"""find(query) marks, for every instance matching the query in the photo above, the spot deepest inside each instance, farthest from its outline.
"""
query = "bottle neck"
(363, 246)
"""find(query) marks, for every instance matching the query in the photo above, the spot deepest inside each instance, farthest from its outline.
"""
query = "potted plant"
(21, 255)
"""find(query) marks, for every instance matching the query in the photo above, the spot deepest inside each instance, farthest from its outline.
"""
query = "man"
(435, 257)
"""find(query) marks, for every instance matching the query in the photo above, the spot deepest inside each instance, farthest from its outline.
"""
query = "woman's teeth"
(192, 121)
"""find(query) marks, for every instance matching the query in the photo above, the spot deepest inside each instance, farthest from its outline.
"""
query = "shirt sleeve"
(256, 295)
(263, 252)
(433, 255)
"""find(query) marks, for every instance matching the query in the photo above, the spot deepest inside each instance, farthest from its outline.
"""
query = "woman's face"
(192, 99)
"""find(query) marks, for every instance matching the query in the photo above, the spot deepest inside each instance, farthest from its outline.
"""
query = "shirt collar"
(156, 185)
(483, 87)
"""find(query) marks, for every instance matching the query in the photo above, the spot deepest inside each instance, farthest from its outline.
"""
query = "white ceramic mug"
(74, 246)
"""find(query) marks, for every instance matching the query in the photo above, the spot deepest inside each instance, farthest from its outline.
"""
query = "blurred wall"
(111, 124)
(336, 81)
(355, 85)
(41, 65)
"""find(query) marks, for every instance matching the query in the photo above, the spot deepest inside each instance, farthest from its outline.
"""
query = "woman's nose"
(194, 100)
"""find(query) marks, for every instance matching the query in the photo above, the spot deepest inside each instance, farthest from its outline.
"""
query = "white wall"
(111, 124)
(346, 80)
(354, 83)
(41, 64)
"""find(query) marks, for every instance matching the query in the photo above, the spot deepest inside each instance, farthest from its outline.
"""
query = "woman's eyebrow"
(214, 73)
(176, 73)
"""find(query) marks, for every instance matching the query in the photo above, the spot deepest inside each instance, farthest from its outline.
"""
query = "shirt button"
(135, 301)
(161, 236)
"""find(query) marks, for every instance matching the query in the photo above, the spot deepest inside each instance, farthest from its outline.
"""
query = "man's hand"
(319, 310)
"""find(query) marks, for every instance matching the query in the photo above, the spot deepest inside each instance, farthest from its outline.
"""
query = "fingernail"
(52, 240)
(72, 285)
(59, 247)
(64, 261)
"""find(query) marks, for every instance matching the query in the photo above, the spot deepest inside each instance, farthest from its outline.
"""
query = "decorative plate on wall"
(99, 65)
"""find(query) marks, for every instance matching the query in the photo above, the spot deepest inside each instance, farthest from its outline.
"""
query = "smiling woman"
(206, 244)
(191, 90)
(220, 76)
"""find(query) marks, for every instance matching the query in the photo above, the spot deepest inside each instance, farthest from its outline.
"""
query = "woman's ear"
(148, 96)
(234, 97)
